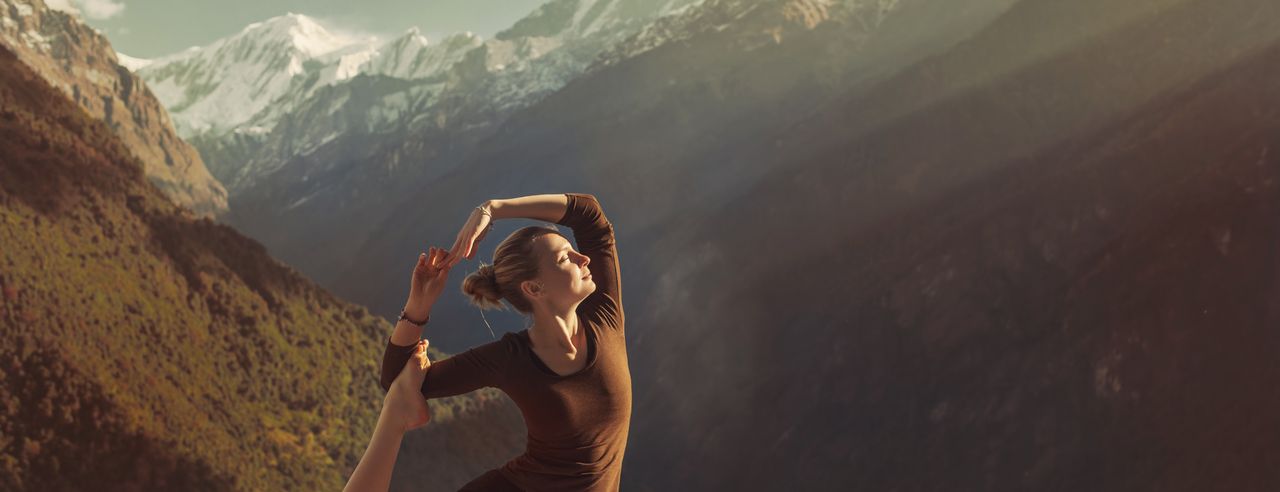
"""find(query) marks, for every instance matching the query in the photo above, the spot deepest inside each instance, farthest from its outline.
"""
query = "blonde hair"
(514, 261)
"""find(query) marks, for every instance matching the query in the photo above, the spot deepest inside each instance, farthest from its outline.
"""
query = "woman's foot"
(404, 400)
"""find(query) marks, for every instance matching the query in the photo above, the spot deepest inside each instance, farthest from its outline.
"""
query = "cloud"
(63, 5)
(348, 27)
(93, 9)
(101, 9)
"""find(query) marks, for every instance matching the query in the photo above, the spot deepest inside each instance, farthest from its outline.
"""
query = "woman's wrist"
(417, 310)
(493, 206)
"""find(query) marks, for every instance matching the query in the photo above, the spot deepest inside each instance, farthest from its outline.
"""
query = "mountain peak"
(298, 31)
(132, 63)
(412, 35)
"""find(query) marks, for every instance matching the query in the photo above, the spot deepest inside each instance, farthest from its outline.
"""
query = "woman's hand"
(477, 226)
(404, 403)
(429, 276)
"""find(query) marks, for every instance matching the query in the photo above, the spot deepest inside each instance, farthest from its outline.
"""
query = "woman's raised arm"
(591, 229)
(595, 237)
(547, 208)
(430, 274)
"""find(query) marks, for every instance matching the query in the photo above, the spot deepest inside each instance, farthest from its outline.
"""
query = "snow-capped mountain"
(236, 81)
(245, 82)
(409, 57)
(412, 56)
(242, 100)
(79, 60)
(755, 22)
(217, 87)
(559, 40)
(336, 191)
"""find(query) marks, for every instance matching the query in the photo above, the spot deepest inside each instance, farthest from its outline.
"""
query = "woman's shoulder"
(508, 345)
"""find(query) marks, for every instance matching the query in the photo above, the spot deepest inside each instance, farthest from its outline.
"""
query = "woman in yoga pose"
(568, 371)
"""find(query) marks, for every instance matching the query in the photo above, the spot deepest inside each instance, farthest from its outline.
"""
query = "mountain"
(220, 86)
(661, 118)
(80, 61)
(243, 83)
(237, 98)
(146, 349)
(1034, 251)
(412, 56)
(246, 126)
(337, 162)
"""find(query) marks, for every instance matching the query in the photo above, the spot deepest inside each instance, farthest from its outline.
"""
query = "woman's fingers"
(478, 240)
(455, 257)
(465, 243)
(433, 259)
(442, 259)
(419, 269)
(469, 246)
(452, 257)
(464, 248)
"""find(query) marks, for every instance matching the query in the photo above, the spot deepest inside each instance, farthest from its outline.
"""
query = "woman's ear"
(531, 288)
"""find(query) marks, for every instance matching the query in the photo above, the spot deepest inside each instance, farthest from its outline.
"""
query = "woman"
(568, 371)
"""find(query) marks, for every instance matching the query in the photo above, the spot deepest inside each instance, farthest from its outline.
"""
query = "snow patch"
(63, 5)
(252, 130)
(131, 63)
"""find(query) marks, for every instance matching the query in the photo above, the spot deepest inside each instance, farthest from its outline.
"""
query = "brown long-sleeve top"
(577, 424)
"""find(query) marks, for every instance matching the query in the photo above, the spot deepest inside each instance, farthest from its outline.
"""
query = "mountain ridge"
(150, 349)
(80, 61)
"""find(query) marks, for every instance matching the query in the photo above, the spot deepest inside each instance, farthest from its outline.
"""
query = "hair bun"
(482, 287)
(489, 274)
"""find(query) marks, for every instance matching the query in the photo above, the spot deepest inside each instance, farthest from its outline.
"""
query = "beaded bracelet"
(405, 317)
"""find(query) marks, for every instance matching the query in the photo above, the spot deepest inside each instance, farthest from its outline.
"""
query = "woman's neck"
(556, 329)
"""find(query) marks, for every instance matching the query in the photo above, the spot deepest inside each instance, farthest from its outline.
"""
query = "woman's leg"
(402, 409)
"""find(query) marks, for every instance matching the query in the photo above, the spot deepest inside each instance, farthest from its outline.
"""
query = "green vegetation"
(147, 349)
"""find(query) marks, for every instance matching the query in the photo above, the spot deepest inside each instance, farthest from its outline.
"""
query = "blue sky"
(151, 28)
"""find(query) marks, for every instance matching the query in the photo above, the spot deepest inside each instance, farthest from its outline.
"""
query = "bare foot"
(404, 401)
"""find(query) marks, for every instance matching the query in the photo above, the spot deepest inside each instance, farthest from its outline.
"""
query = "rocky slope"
(149, 350)
(80, 61)
(1054, 274)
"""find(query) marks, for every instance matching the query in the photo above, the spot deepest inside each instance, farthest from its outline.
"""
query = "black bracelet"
(419, 324)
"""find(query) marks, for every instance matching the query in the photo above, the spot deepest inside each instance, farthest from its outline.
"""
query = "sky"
(152, 28)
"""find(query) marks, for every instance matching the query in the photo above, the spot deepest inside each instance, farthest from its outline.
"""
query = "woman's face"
(564, 273)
